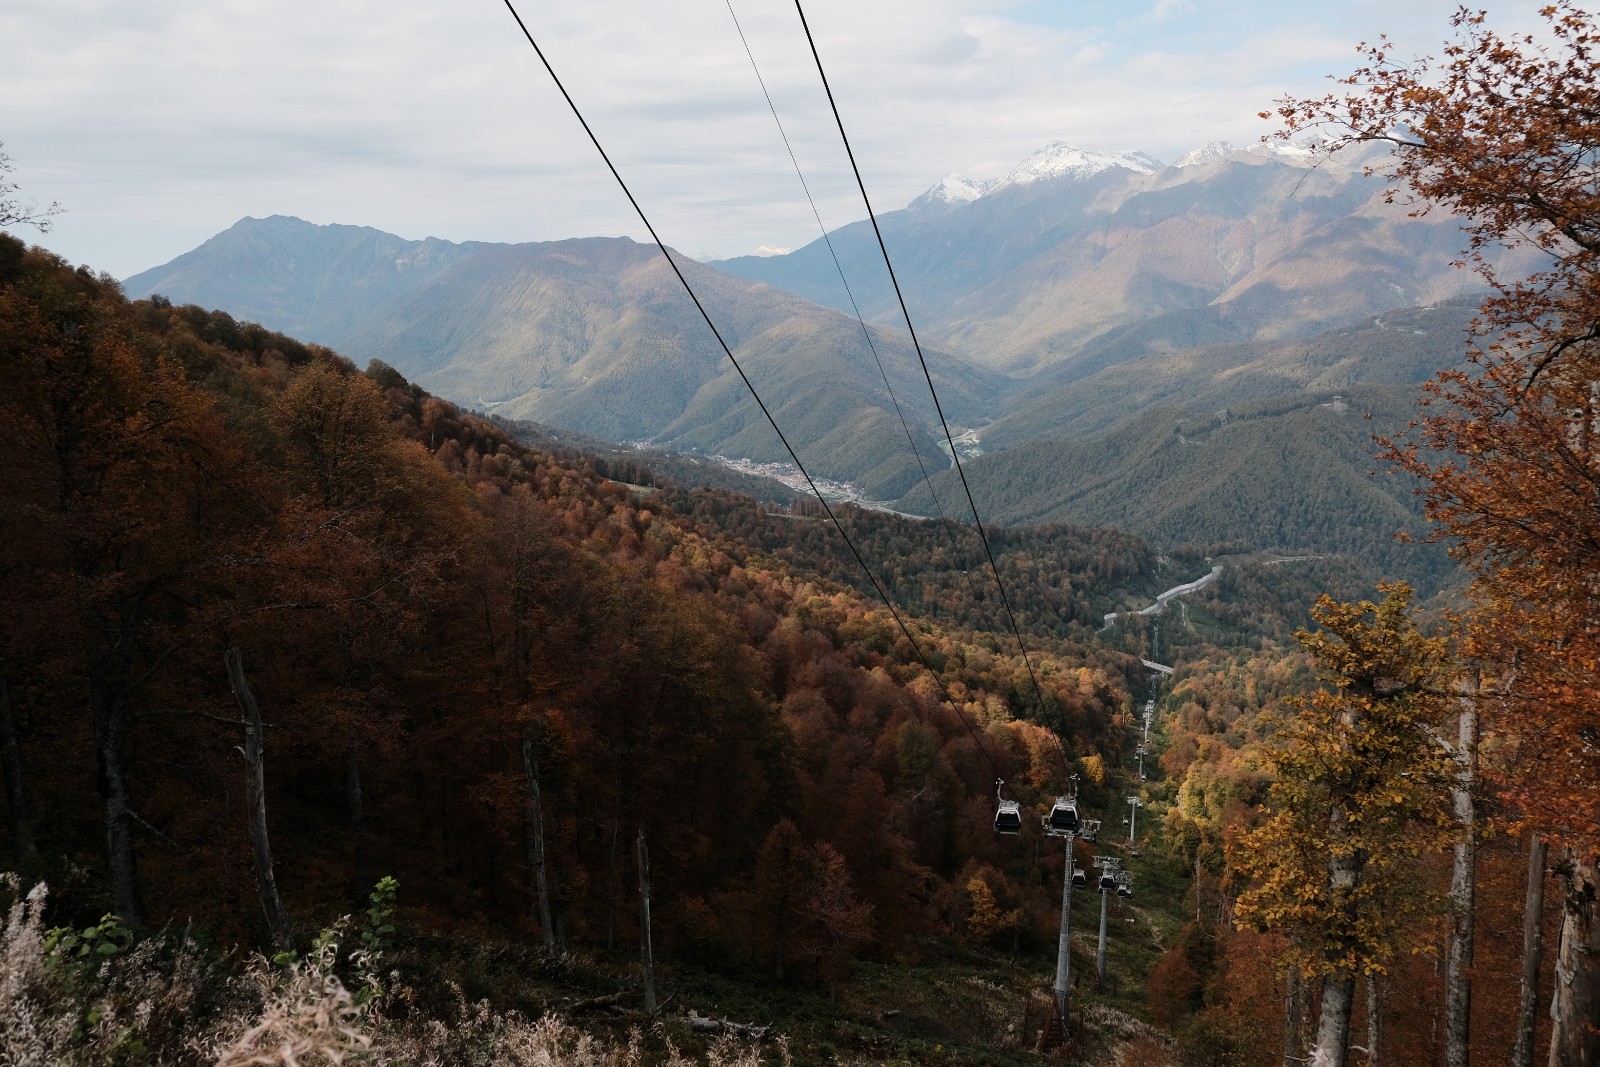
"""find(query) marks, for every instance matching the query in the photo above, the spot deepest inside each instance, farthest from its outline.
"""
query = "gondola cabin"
(1089, 830)
(1008, 820)
(1064, 816)
(1124, 891)
(1079, 879)
(1107, 881)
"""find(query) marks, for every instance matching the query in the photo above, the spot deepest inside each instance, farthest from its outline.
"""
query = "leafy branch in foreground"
(1503, 129)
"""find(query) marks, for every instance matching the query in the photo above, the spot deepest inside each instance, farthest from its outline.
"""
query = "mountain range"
(1107, 255)
(1084, 316)
(593, 335)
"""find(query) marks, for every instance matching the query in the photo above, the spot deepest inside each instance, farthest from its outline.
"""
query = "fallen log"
(703, 1024)
(608, 1001)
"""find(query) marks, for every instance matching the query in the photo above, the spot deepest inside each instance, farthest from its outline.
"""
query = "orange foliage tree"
(1506, 131)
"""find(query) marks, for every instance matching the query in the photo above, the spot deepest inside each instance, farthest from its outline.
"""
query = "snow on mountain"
(955, 189)
(1210, 152)
(1216, 151)
(1285, 150)
(1061, 160)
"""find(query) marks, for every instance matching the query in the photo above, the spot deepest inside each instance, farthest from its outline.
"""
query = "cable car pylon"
(1063, 822)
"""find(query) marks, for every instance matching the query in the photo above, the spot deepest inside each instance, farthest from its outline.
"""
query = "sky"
(160, 123)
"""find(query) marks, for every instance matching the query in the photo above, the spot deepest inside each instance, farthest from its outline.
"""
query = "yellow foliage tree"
(986, 922)
(1360, 793)
(1094, 768)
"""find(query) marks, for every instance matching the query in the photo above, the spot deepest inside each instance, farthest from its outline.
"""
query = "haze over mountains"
(1101, 301)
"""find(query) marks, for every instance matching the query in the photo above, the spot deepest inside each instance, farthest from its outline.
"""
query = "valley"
(1123, 607)
(1080, 345)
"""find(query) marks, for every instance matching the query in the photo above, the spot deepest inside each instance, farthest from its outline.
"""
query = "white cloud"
(157, 124)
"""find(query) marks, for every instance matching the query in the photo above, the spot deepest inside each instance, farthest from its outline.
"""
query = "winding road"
(1161, 600)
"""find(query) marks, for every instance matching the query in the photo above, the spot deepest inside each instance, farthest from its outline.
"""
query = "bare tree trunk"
(1532, 953)
(1338, 989)
(1575, 1041)
(1308, 992)
(780, 933)
(110, 727)
(1374, 1021)
(27, 853)
(356, 825)
(256, 804)
(611, 871)
(1333, 1022)
(1463, 892)
(1291, 1019)
(535, 843)
(646, 954)
(354, 802)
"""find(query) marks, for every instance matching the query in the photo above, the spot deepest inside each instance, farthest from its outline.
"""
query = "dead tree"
(646, 954)
(1532, 953)
(1575, 1040)
(535, 843)
(254, 752)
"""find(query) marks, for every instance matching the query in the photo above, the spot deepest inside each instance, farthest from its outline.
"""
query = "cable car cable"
(851, 296)
(954, 455)
(749, 385)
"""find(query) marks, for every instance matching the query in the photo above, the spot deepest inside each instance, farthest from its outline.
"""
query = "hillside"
(1230, 281)
(591, 335)
(1294, 473)
(1128, 371)
(447, 631)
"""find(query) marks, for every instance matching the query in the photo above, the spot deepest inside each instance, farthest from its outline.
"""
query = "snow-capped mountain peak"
(1061, 160)
(1216, 151)
(1055, 161)
(1275, 149)
(955, 189)
(1210, 152)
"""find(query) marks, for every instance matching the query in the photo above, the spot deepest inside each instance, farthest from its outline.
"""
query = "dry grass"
(307, 1018)
(161, 1002)
(36, 1022)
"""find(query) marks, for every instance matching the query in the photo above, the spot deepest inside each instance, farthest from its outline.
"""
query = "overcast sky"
(161, 122)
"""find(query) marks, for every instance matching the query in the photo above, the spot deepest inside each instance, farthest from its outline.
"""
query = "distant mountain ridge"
(1082, 315)
(592, 334)
(1058, 159)
(311, 282)
(1028, 272)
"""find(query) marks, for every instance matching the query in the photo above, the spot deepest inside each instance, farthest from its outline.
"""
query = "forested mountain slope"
(435, 618)
(593, 335)
(1294, 473)
(1129, 371)
(431, 618)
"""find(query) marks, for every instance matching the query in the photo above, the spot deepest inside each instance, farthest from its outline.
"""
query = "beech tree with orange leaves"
(1357, 801)
(1505, 131)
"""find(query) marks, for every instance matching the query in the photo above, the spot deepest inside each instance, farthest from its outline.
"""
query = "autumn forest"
(339, 723)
